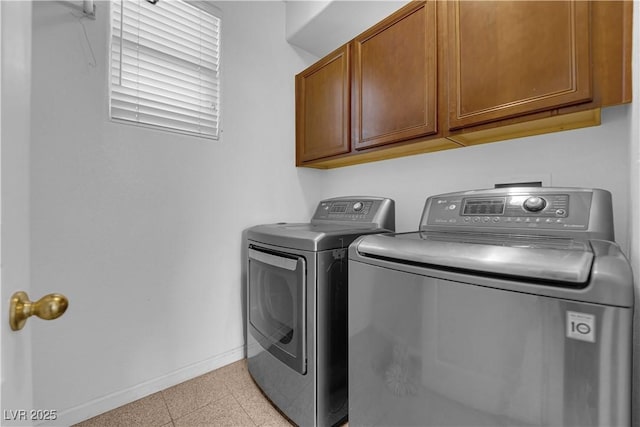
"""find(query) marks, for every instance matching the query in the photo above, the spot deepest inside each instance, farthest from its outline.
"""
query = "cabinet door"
(510, 58)
(323, 108)
(395, 78)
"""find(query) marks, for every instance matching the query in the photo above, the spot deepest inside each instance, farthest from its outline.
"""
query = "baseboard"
(114, 400)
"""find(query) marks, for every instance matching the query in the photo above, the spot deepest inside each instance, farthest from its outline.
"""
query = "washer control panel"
(361, 210)
(366, 211)
(510, 208)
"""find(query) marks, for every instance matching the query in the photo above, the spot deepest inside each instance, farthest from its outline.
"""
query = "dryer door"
(277, 304)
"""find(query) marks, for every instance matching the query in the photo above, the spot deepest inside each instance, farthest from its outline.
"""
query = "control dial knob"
(357, 206)
(534, 204)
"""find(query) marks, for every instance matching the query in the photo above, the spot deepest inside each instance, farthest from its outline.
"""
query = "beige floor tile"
(259, 408)
(236, 376)
(149, 411)
(224, 412)
(194, 394)
(225, 397)
(234, 370)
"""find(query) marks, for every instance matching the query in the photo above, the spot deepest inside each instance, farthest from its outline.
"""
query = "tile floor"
(224, 397)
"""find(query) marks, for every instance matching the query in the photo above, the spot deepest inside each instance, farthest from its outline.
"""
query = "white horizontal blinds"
(165, 61)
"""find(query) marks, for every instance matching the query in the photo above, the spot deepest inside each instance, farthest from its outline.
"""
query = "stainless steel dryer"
(509, 307)
(297, 306)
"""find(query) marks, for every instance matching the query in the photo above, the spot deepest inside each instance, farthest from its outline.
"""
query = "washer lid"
(311, 237)
(543, 258)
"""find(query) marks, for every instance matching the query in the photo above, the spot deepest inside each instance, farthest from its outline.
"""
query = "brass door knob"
(48, 307)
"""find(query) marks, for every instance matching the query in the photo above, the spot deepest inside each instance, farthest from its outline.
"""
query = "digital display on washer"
(338, 207)
(483, 206)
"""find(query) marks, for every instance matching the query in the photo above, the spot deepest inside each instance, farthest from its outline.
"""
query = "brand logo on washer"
(581, 326)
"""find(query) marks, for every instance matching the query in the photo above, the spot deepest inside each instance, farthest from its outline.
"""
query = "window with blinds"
(165, 66)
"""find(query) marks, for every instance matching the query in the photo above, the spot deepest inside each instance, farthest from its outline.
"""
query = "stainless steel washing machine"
(297, 306)
(508, 307)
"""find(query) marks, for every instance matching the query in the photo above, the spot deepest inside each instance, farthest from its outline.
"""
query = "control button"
(496, 219)
(486, 219)
(467, 219)
(534, 204)
(476, 219)
(452, 207)
(560, 212)
(357, 206)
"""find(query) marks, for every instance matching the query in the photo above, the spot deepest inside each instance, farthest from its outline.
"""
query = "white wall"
(589, 157)
(142, 229)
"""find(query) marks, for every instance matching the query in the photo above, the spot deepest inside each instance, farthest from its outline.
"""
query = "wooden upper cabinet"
(444, 74)
(323, 108)
(395, 78)
(511, 58)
